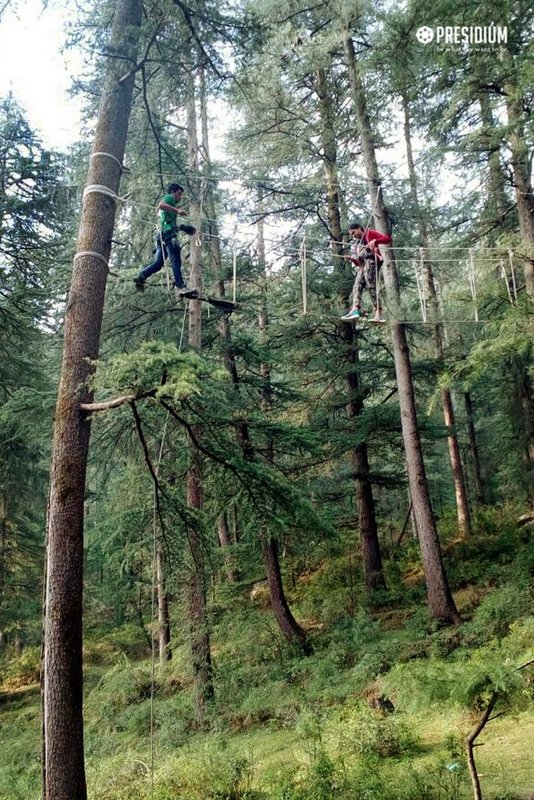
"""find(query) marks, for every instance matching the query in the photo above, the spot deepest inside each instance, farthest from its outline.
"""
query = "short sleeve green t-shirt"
(167, 218)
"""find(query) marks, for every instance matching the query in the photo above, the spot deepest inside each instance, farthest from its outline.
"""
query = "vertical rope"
(304, 266)
(504, 276)
(439, 298)
(472, 282)
(234, 273)
(422, 279)
(166, 262)
(419, 289)
(512, 269)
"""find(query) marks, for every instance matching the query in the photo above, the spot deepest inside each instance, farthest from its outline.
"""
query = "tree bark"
(287, 623)
(470, 743)
(225, 542)
(164, 624)
(521, 168)
(64, 774)
(283, 615)
(280, 607)
(497, 177)
(3, 546)
(458, 475)
(525, 396)
(440, 600)
(473, 449)
(371, 556)
(197, 605)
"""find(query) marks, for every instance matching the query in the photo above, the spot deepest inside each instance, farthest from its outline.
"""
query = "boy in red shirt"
(365, 254)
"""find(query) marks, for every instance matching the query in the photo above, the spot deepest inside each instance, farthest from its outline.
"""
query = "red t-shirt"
(380, 238)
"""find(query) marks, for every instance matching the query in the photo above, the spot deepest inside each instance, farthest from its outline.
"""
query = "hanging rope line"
(512, 269)
(472, 282)
(304, 259)
(234, 273)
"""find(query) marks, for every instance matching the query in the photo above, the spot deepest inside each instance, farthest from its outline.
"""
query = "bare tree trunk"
(283, 615)
(462, 502)
(473, 448)
(371, 555)
(525, 399)
(64, 774)
(232, 575)
(521, 168)
(164, 625)
(497, 178)
(440, 600)
(3, 547)
(214, 244)
(199, 632)
(198, 615)
(288, 625)
(470, 743)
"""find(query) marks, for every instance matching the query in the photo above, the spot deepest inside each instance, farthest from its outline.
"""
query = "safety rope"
(504, 276)
(304, 263)
(98, 188)
(511, 259)
(472, 281)
(92, 254)
(109, 155)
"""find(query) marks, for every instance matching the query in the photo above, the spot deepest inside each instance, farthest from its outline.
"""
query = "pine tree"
(63, 767)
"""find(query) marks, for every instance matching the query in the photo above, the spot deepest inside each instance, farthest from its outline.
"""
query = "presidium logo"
(463, 34)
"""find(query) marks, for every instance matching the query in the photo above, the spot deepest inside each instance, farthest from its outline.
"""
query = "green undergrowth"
(378, 711)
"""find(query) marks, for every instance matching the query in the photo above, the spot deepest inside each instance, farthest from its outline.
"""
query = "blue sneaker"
(354, 313)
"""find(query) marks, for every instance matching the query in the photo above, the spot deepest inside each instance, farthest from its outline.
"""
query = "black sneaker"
(139, 284)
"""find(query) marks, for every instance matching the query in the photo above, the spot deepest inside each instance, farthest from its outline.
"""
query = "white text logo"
(463, 34)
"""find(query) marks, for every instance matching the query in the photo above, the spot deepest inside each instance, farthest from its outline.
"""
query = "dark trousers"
(169, 247)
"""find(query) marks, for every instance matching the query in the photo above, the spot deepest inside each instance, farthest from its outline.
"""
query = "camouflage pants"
(366, 278)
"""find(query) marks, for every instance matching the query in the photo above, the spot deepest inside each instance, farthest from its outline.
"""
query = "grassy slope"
(289, 728)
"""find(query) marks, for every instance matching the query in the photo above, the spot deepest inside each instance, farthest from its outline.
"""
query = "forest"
(250, 548)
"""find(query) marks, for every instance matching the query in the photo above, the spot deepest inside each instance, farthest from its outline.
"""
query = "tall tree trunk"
(440, 600)
(473, 449)
(293, 632)
(283, 615)
(164, 624)
(3, 547)
(525, 399)
(521, 167)
(64, 774)
(455, 458)
(199, 632)
(371, 555)
(198, 614)
(232, 575)
(497, 177)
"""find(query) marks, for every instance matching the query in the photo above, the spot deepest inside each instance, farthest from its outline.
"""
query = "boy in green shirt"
(167, 242)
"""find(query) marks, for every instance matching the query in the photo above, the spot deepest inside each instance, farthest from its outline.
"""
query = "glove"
(189, 229)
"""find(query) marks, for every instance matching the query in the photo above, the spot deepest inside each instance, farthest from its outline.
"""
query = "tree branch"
(157, 487)
(105, 405)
